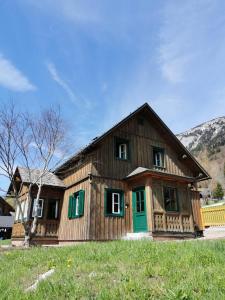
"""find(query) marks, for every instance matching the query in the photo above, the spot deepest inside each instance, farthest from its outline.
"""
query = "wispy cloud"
(181, 37)
(56, 77)
(74, 97)
(12, 78)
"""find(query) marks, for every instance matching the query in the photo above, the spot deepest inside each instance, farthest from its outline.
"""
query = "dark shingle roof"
(49, 178)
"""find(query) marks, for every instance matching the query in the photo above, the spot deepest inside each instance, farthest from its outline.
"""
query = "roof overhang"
(160, 175)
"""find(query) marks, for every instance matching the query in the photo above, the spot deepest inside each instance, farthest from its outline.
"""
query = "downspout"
(90, 180)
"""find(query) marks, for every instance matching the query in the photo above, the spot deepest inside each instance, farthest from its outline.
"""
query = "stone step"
(138, 236)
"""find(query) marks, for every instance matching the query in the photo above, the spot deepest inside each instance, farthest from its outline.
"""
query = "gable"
(147, 129)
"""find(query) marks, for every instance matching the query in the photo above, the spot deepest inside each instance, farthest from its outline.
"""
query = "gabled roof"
(49, 178)
(160, 125)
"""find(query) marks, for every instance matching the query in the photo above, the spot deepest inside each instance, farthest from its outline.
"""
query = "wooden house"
(137, 179)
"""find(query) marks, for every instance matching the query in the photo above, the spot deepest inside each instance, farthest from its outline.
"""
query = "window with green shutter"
(76, 205)
(114, 203)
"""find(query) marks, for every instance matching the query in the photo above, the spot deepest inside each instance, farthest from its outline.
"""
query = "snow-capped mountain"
(209, 135)
(207, 143)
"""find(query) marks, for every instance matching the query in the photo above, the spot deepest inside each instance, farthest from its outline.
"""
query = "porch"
(166, 209)
(45, 229)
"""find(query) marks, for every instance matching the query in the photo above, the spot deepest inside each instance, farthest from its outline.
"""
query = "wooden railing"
(45, 228)
(172, 222)
(213, 216)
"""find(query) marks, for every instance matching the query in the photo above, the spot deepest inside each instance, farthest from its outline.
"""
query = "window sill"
(77, 217)
(159, 168)
(122, 159)
(114, 215)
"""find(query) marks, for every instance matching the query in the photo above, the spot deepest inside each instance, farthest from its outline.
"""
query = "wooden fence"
(213, 216)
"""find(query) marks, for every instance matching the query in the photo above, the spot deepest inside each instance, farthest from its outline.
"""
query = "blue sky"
(100, 60)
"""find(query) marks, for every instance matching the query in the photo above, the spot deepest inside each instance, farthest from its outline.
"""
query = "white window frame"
(115, 202)
(159, 158)
(35, 206)
(123, 151)
(77, 205)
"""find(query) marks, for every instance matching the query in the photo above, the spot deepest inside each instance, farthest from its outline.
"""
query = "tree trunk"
(27, 226)
(35, 220)
(26, 236)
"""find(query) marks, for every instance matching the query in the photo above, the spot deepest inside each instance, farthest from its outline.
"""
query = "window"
(38, 208)
(53, 209)
(140, 201)
(77, 197)
(170, 199)
(158, 157)
(76, 205)
(114, 202)
(121, 149)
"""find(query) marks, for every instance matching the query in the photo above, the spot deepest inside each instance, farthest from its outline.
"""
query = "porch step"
(138, 236)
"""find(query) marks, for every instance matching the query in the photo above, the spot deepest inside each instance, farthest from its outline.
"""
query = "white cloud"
(74, 97)
(55, 76)
(12, 78)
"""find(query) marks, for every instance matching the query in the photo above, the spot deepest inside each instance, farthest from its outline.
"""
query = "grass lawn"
(118, 270)
(5, 242)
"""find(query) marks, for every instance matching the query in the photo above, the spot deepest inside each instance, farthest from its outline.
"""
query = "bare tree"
(35, 142)
(9, 151)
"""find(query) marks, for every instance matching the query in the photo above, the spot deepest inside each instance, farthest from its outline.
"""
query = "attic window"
(121, 149)
(158, 157)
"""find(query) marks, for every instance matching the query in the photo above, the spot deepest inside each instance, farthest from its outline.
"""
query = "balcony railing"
(172, 222)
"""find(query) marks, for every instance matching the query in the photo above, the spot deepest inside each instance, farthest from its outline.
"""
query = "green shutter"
(70, 206)
(81, 203)
(122, 204)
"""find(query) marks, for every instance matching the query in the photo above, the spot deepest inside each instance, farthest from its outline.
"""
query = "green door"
(139, 210)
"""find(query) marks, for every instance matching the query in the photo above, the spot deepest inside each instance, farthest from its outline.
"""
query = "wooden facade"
(47, 229)
(96, 169)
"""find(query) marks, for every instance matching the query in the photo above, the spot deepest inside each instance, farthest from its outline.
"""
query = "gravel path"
(216, 232)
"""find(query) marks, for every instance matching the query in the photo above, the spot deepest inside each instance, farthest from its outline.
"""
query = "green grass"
(5, 242)
(118, 270)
